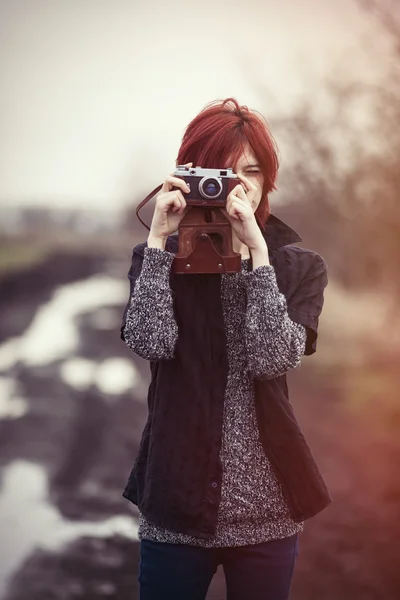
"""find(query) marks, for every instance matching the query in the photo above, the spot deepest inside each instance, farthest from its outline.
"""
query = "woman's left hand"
(239, 211)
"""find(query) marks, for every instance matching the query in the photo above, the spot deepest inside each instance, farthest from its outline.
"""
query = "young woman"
(223, 474)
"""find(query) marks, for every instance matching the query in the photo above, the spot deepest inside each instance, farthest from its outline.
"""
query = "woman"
(223, 473)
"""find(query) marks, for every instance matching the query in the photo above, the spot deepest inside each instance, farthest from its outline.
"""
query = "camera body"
(208, 187)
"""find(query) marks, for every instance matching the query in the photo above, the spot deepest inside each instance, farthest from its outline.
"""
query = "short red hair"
(221, 131)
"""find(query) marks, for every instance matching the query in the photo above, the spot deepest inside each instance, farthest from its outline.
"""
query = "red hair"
(220, 132)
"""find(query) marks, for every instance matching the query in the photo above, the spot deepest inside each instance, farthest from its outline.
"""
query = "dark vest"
(176, 478)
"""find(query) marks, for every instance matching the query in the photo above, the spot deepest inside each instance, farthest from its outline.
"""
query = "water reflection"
(68, 367)
(11, 405)
(53, 333)
(30, 521)
(113, 376)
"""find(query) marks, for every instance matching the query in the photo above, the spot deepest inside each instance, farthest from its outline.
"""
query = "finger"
(172, 181)
(238, 191)
(248, 184)
(183, 202)
(188, 164)
(234, 193)
(229, 201)
(170, 201)
(241, 193)
(242, 209)
(179, 202)
(176, 206)
(233, 198)
(245, 206)
(236, 209)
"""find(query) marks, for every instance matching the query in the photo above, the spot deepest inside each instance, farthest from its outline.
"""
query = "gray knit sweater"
(262, 341)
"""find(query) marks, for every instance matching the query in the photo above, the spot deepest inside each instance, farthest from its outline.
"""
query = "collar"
(277, 233)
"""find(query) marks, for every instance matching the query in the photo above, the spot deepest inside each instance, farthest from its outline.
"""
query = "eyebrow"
(250, 166)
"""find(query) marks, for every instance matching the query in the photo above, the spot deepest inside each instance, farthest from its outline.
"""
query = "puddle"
(30, 521)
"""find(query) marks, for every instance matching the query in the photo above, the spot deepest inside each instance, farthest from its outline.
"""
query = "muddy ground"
(85, 443)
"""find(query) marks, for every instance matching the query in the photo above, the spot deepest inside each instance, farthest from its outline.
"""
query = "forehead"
(247, 157)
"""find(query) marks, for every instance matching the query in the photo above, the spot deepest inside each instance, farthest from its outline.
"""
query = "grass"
(15, 256)
(18, 253)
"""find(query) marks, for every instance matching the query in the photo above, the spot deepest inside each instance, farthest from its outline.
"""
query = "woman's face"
(247, 166)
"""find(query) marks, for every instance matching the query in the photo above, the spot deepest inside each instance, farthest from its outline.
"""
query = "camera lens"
(209, 187)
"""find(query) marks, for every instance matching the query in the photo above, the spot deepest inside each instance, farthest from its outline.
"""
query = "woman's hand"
(169, 210)
(239, 211)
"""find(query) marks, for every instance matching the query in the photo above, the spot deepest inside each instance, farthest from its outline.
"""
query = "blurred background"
(95, 97)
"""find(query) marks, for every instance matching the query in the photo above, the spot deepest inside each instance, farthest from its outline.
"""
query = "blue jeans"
(182, 572)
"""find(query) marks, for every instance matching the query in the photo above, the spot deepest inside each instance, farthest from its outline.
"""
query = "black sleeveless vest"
(176, 477)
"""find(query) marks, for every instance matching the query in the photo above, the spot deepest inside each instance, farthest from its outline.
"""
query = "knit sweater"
(253, 508)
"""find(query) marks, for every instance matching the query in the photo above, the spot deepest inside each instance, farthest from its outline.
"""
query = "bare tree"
(341, 181)
(387, 13)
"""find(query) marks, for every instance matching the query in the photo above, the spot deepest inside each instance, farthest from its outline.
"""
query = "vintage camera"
(208, 187)
(205, 233)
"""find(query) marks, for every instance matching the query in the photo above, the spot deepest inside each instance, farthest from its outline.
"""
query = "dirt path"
(347, 552)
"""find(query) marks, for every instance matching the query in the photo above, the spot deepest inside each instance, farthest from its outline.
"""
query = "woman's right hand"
(169, 210)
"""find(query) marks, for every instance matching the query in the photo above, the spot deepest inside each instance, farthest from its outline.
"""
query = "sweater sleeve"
(150, 329)
(274, 343)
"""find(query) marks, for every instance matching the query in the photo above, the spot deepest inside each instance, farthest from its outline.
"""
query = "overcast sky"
(95, 94)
